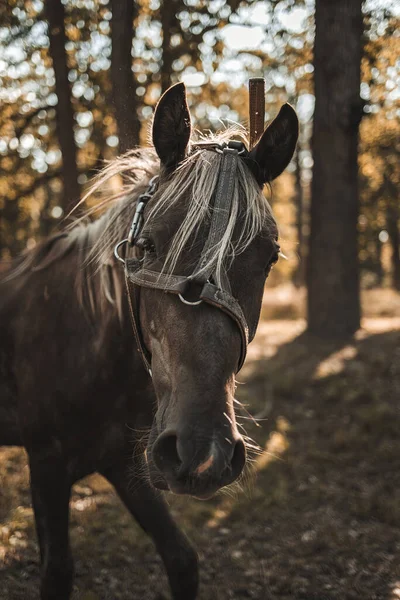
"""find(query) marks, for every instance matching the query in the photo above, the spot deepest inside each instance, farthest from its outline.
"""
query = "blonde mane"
(196, 179)
(98, 282)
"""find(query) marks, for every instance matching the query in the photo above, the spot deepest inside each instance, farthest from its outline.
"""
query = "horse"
(77, 384)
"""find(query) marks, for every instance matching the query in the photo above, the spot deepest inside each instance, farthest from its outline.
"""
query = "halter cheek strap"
(137, 273)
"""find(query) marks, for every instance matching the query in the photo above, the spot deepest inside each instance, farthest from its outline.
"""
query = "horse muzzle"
(185, 463)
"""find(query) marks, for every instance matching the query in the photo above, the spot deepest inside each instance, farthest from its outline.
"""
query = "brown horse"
(73, 387)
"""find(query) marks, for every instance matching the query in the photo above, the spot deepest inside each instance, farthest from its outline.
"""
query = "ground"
(319, 514)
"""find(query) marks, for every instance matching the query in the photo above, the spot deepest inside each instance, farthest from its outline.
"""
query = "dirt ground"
(318, 517)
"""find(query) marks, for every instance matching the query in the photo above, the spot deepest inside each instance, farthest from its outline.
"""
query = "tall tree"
(392, 225)
(170, 26)
(333, 273)
(55, 14)
(123, 83)
(299, 206)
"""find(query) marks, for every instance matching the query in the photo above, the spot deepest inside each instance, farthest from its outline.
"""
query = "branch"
(45, 178)
(38, 183)
(27, 120)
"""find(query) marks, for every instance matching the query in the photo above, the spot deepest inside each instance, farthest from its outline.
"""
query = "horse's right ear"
(171, 126)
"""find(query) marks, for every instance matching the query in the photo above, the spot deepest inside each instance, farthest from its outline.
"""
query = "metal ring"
(117, 256)
(153, 180)
(182, 299)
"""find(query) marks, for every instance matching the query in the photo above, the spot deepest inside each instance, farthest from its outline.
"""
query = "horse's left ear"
(171, 126)
(274, 151)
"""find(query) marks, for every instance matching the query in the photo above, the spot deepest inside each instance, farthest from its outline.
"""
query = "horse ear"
(275, 149)
(171, 126)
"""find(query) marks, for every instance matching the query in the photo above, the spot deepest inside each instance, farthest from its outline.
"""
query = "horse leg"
(150, 510)
(50, 497)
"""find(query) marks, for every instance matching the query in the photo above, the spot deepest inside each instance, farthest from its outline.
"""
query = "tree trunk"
(299, 200)
(333, 271)
(169, 26)
(123, 82)
(65, 120)
(9, 242)
(392, 226)
(376, 258)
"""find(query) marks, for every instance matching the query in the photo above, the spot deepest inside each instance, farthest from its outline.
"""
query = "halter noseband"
(137, 275)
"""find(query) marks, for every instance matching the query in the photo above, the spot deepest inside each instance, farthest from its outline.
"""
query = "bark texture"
(393, 220)
(123, 81)
(299, 204)
(170, 26)
(55, 15)
(333, 272)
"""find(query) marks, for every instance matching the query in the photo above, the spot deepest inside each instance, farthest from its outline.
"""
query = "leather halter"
(137, 273)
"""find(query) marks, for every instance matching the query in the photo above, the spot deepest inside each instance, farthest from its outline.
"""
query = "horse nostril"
(165, 452)
(238, 459)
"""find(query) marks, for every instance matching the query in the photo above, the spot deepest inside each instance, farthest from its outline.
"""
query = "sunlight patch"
(395, 595)
(335, 363)
(83, 504)
(276, 445)
(219, 515)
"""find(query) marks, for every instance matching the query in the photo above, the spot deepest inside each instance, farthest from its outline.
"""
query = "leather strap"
(133, 292)
(221, 211)
(223, 300)
(137, 274)
(137, 277)
(140, 275)
(210, 293)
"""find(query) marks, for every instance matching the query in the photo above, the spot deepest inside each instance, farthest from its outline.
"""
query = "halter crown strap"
(221, 212)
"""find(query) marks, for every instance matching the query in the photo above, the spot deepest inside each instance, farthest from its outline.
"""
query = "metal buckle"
(137, 221)
(219, 147)
(237, 145)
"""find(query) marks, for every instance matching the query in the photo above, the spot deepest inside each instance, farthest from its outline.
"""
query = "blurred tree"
(392, 225)
(123, 82)
(171, 30)
(299, 203)
(209, 45)
(380, 182)
(55, 15)
(333, 278)
(379, 153)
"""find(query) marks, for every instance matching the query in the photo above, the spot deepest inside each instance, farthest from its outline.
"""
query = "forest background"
(60, 119)
(79, 80)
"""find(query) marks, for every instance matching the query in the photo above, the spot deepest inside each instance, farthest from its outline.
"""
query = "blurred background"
(59, 116)
(79, 80)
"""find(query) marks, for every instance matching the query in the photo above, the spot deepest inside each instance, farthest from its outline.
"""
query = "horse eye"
(146, 244)
(273, 261)
(275, 258)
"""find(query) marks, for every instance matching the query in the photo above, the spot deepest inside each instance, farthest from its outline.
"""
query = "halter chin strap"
(137, 273)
